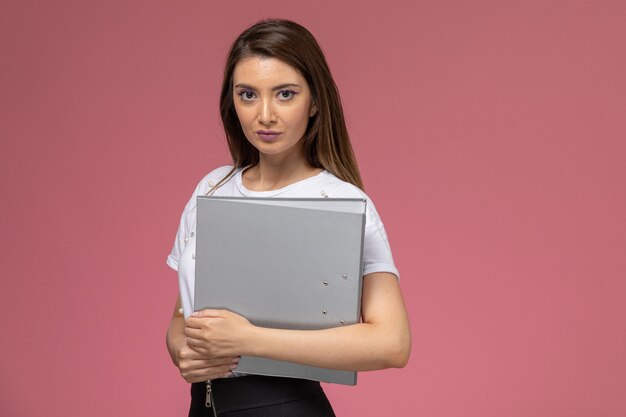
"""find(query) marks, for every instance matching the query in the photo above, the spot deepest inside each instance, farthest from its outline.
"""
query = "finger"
(196, 344)
(193, 332)
(225, 361)
(194, 353)
(206, 348)
(190, 354)
(193, 322)
(211, 372)
(195, 335)
(207, 377)
(191, 366)
(211, 350)
(213, 362)
(198, 322)
(207, 312)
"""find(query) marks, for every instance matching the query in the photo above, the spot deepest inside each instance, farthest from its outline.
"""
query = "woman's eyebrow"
(278, 87)
(287, 85)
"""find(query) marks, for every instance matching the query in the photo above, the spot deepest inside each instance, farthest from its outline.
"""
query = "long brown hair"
(326, 141)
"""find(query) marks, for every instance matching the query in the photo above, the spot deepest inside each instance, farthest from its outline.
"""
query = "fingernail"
(228, 374)
(236, 360)
(194, 314)
(233, 366)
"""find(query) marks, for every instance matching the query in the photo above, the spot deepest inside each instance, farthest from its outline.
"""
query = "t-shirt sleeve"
(377, 255)
(188, 218)
(174, 256)
(184, 229)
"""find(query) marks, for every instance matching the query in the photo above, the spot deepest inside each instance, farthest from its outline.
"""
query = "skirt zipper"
(208, 402)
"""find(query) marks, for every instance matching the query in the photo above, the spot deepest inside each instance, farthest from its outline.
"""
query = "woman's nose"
(266, 112)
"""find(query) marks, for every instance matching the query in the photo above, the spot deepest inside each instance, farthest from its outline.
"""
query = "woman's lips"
(267, 135)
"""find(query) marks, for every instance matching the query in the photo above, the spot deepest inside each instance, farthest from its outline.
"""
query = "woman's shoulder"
(337, 188)
(212, 178)
(205, 184)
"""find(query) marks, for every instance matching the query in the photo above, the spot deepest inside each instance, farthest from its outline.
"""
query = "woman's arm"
(381, 340)
(194, 366)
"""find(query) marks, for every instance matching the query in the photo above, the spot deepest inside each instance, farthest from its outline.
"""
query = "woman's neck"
(274, 172)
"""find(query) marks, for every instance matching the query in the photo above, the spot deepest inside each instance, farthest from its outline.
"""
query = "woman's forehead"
(263, 70)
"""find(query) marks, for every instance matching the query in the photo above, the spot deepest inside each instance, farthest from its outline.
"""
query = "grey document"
(282, 263)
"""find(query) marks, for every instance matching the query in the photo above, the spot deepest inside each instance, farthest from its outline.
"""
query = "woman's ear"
(313, 110)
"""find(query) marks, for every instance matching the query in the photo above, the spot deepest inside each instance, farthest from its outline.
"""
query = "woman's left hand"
(217, 333)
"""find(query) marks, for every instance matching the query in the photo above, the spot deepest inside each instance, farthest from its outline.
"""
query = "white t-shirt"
(376, 252)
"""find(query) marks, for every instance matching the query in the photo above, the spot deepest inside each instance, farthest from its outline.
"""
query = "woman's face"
(273, 103)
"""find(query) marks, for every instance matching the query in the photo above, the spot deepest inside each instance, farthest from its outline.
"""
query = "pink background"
(491, 135)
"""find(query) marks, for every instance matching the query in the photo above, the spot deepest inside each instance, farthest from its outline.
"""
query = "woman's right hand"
(196, 367)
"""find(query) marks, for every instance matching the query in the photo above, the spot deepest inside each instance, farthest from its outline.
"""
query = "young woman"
(286, 132)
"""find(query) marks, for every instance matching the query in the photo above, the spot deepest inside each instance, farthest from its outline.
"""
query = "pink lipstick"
(267, 135)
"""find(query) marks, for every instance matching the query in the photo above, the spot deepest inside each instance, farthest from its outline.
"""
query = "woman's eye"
(246, 95)
(286, 95)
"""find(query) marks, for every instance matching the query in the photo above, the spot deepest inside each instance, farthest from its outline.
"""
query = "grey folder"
(282, 263)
